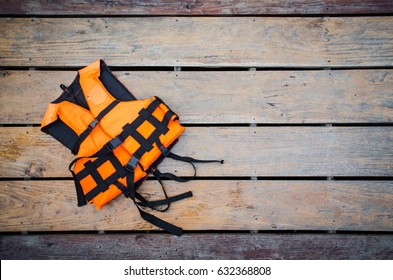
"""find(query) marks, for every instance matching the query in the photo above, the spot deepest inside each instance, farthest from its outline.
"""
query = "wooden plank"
(332, 96)
(247, 151)
(216, 205)
(198, 41)
(205, 7)
(198, 246)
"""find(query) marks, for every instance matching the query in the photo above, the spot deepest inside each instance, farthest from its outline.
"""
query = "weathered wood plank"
(198, 41)
(247, 151)
(204, 7)
(198, 246)
(216, 205)
(336, 96)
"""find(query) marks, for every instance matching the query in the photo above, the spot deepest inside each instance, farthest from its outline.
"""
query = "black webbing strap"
(160, 223)
(91, 169)
(105, 153)
(103, 185)
(130, 192)
(79, 192)
(174, 156)
(171, 176)
(106, 110)
(190, 159)
(167, 201)
(130, 129)
(92, 125)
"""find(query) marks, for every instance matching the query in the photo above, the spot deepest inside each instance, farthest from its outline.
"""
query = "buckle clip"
(164, 150)
(132, 164)
(93, 124)
(114, 143)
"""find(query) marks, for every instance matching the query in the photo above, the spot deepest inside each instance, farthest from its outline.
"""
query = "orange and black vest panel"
(117, 139)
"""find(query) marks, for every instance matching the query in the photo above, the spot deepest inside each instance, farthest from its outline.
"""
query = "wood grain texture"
(216, 205)
(247, 151)
(330, 96)
(204, 7)
(198, 246)
(198, 41)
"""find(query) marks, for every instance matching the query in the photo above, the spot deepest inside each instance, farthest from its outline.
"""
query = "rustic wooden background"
(296, 96)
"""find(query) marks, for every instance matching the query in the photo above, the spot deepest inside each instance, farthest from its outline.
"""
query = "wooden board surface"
(216, 205)
(198, 246)
(204, 7)
(198, 41)
(247, 151)
(327, 96)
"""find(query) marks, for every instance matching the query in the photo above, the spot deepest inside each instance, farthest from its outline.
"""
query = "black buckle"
(164, 151)
(93, 124)
(132, 164)
(114, 143)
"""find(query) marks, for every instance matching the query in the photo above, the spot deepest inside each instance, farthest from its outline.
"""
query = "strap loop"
(130, 192)
(171, 176)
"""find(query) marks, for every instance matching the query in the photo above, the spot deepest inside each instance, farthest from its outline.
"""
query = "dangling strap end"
(79, 192)
(160, 223)
(81, 202)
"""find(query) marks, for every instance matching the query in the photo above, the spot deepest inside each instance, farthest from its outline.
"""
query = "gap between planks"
(247, 151)
(216, 205)
(266, 97)
(195, 41)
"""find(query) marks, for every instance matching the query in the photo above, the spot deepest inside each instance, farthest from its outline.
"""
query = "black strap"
(190, 159)
(106, 110)
(79, 192)
(130, 129)
(160, 223)
(172, 176)
(174, 156)
(105, 154)
(102, 185)
(91, 169)
(146, 216)
(167, 201)
(92, 125)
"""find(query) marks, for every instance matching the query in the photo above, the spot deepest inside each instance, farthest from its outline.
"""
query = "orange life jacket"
(118, 140)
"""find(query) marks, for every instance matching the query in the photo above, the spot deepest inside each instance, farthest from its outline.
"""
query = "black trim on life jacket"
(113, 85)
(62, 132)
(74, 94)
